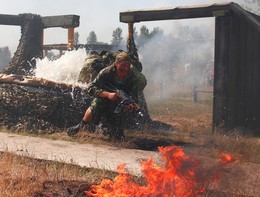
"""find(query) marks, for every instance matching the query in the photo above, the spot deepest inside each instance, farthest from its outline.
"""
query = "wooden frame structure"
(236, 97)
(65, 21)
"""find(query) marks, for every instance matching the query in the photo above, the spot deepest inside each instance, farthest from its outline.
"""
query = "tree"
(102, 43)
(76, 38)
(156, 31)
(144, 31)
(117, 36)
(5, 56)
(135, 34)
(92, 38)
(144, 35)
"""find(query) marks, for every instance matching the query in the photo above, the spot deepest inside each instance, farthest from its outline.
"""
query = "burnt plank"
(48, 21)
(221, 70)
(234, 80)
(6, 19)
(175, 13)
(64, 21)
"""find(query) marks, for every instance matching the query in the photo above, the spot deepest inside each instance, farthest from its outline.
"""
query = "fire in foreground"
(178, 176)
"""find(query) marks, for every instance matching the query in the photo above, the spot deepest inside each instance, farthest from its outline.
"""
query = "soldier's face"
(122, 69)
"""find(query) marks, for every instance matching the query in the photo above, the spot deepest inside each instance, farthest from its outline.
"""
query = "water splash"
(66, 69)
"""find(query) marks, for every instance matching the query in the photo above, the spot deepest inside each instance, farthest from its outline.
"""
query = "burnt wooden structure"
(236, 101)
(65, 21)
(88, 47)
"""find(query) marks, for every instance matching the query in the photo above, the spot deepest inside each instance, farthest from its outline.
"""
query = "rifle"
(125, 99)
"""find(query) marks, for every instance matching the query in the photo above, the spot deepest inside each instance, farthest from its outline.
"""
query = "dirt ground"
(63, 188)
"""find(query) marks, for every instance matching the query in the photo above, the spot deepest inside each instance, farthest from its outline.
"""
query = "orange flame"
(177, 177)
(226, 158)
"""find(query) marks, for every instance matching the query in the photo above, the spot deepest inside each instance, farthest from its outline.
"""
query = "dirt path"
(88, 155)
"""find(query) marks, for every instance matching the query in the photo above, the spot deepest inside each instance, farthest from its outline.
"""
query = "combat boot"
(72, 131)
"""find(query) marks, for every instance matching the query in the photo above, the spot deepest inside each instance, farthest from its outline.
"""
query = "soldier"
(120, 75)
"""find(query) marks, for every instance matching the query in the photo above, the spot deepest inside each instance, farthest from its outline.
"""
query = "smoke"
(172, 63)
(175, 62)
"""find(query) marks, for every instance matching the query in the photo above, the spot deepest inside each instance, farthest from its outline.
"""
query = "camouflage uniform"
(91, 67)
(134, 83)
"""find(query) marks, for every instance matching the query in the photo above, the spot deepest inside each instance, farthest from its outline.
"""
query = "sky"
(100, 16)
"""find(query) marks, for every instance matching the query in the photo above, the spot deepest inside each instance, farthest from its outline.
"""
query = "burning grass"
(178, 176)
(244, 147)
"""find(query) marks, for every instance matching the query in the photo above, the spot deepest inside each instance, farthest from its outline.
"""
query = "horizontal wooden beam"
(55, 46)
(87, 46)
(182, 12)
(6, 19)
(64, 21)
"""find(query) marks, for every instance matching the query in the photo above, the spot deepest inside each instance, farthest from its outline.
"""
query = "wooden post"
(221, 95)
(194, 93)
(60, 52)
(132, 50)
(44, 55)
(70, 37)
(130, 30)
(42, 37)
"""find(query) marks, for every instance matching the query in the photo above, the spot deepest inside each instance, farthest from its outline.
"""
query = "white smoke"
(173, 63)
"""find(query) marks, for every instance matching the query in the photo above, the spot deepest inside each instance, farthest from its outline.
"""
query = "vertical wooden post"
(221, 93)
(42, 37)
(70, 37)
(194, 93)
(132, 50)
(60, 52)
(130, 30)
(45, 53)
(43, 41)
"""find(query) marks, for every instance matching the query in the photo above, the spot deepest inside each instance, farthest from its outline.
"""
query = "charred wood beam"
(64, 21)
(250, 17)
(97, 47)
(6, 19)
(55, 46)
(37, 82)
(182, 12)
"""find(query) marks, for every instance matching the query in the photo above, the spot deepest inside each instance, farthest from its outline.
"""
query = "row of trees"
(117, 38)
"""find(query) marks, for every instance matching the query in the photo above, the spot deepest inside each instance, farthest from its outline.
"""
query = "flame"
(226, 158)
(179, 176)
